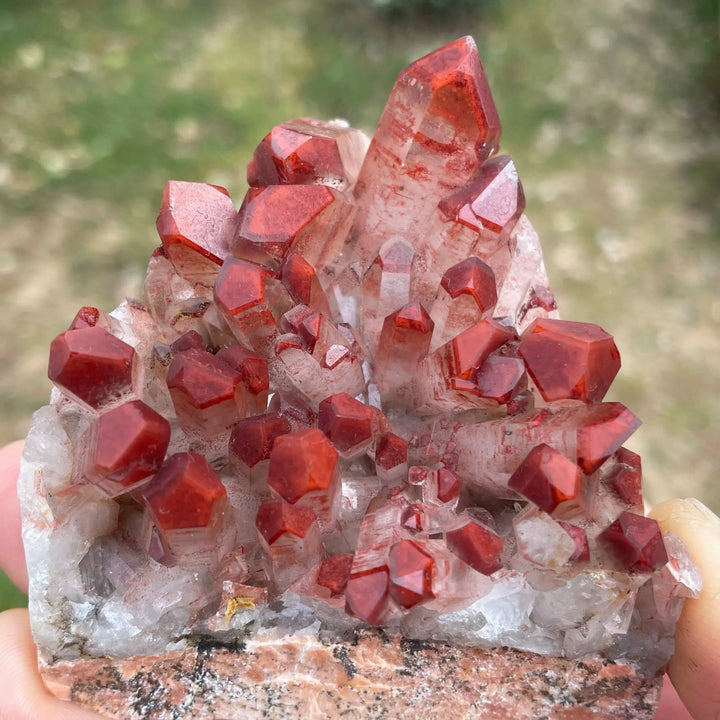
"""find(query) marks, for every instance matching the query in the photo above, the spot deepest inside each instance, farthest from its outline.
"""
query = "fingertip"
(12, 452)
(23, 695)
(10, 457)
(671, 706)
(12, 553)
(695, 666)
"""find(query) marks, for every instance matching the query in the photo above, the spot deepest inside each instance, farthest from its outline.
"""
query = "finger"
(23, 696)
(671, 706)
(12, 554)
(695, 666)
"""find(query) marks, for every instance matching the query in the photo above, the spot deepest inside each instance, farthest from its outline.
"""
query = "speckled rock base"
(374, 677)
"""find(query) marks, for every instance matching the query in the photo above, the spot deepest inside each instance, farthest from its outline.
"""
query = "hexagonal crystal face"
(239, 287)
(492, 202)
(253, 438)
(476, 546)
(410, 571)
(202, 377)
(275, 218)
(626, 477)
(570, 359)
(474, 278)
(304, 469)
(334, 573)
(391, 456)
(547, 478)
(500, 378)
(241, 297)
(471, 348)
(206, 392)
(91, 365)
(274, 519)
(414, 518)
(195, 224)
(366, 595)
(126, 445)
(347, 423)
(182, 495)
(294, 408)
(460, 108)
(605, 428)
(188, 512)
(301, 281)
(307, 152)
(404, 341)
(636, 542)
(581, 553)
(449, 484)
(290, 541)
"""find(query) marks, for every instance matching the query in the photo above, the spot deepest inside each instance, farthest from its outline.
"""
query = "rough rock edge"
(299, 678)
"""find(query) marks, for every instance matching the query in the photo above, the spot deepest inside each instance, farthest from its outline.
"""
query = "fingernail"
(705, 510)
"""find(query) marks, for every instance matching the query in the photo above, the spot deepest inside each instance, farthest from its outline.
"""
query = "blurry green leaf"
(10, 596)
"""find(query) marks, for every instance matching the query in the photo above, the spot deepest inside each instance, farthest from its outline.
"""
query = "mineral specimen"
(350, 404)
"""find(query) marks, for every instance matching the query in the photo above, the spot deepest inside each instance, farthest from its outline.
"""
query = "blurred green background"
(611, 111)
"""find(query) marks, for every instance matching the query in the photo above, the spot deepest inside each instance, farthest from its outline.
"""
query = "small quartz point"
(349, 403)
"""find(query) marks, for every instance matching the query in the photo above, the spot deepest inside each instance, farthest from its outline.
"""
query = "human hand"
(695, 666)
(694, 669)
(23, 696)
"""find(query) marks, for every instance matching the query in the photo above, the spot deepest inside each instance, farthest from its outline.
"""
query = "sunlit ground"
(609, 109)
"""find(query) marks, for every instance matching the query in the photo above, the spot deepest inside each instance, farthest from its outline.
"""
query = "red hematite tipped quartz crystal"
(277, 518)
(347, 422)
(492, 202)
(410, 570)
(91, 365)
(350, 404)
(333, 573)
(195, 224)
(477, 546)
(126, 445)
(304, 469)
(570, 359)
(279, 217)
(308, 151)
(183, 493)
(637, 543)
(547, 478)
(474, 278)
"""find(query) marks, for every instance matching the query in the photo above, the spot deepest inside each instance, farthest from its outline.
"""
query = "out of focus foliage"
(418, 10)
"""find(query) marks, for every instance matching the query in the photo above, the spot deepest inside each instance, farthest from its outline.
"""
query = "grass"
(10, 596)
(610, 111)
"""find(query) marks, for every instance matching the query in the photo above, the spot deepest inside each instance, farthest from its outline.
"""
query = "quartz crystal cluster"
(350, 403)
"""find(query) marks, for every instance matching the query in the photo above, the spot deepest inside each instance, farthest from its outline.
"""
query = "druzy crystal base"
(346, 421)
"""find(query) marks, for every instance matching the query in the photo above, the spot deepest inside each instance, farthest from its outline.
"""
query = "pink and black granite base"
(371, 678)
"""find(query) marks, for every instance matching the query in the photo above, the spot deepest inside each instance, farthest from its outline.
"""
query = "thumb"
(12, 555)
(695, 667)
(23, 696)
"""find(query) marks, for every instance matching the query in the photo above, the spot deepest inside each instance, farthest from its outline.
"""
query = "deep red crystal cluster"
(356, 387)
